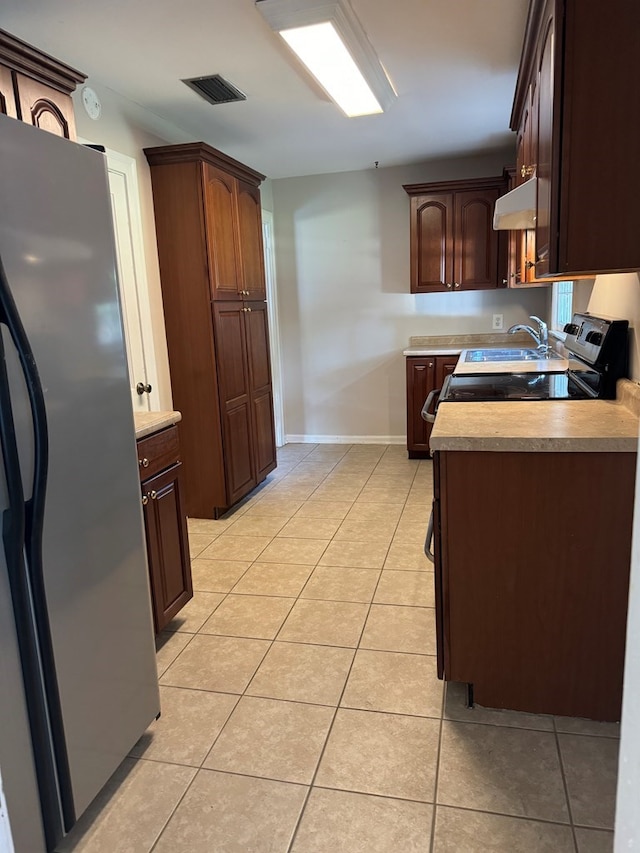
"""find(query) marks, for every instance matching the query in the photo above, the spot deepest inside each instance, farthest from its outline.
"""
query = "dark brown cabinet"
(165, 524)
(208, 224)
(577, 127)
(424, 374)
(36, 88)
(234, 236)
(246, 405)
(531, 596)
(452, 242)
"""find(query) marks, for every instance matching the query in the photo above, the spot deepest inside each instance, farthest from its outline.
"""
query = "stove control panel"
(597, 340)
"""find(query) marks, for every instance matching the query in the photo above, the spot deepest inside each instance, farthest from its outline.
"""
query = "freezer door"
(57, 246)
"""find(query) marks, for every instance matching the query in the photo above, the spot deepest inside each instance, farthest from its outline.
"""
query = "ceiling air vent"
(215, 89)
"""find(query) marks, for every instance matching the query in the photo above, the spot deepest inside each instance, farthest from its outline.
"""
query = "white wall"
(619, 296)
(127, 128)
(346, 314)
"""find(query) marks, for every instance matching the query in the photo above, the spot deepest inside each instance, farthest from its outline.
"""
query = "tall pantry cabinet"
(209, 230)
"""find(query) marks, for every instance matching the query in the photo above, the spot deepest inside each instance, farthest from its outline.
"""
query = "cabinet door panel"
(476, 246)
(7, 97)
(230, 339)
(235, 399)
(420, 380)
(445, 365)
(264, 433)
(167, 544)
(238, 457)
(250, 239)
(544, 147)
(432, 219)
(260, 388)
(45, 107)
(224, 269)
(258, 345)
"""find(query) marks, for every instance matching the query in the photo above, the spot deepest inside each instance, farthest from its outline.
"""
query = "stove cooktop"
(512, 386)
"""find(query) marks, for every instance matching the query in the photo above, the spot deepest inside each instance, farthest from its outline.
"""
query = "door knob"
(141, 389)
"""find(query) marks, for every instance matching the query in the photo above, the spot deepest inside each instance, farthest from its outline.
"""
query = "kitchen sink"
(482, 355)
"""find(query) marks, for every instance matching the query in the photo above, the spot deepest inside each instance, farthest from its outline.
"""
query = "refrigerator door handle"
(22, 531)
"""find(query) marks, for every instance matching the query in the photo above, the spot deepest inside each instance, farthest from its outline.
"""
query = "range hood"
(516, 209)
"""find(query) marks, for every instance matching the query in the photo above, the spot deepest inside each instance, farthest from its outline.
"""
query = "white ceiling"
(452, 62)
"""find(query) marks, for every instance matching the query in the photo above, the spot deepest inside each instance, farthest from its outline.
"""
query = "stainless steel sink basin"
(481, 355)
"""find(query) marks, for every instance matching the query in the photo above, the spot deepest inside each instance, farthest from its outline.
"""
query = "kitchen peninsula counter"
(574, 426)
(146, 423)
(531, 541)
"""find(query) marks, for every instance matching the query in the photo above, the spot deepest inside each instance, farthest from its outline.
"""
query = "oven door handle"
(427, 542)
(430, 417)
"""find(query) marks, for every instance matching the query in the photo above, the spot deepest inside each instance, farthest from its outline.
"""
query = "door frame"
(272, 314)
(126, 166)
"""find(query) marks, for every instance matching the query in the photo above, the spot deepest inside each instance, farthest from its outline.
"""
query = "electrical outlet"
(498, 322)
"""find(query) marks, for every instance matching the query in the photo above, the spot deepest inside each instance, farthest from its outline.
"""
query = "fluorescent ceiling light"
(323, 52)
(328, 39)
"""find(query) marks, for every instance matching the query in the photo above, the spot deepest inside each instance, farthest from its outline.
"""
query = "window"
(561, 304)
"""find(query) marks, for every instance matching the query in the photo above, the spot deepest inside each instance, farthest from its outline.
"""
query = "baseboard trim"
(346, 439)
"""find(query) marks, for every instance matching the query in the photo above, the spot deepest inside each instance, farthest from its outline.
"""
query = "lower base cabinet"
(424, 374)
(165, 524)
(532, 557)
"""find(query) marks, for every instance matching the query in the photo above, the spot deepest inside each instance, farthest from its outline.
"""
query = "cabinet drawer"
(157, 452)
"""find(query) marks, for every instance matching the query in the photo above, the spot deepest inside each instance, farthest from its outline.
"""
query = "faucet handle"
(540, 322)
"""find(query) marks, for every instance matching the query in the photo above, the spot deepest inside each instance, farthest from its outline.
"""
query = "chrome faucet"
(541, 337)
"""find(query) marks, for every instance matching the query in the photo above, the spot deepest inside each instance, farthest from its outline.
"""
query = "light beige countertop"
(545, 426)
(147, 423)
(426, 345)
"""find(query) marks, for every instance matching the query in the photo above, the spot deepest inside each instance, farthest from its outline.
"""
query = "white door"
(274, 332)
(125, 206)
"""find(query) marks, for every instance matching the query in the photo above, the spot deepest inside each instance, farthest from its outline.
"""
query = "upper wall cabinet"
(453, 244)
(578, 124)
(232, 217)
(36, 88)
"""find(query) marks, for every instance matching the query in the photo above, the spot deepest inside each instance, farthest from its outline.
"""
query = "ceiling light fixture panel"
(329, 40)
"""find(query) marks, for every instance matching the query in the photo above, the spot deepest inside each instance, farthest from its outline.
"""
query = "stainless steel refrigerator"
(78, 680)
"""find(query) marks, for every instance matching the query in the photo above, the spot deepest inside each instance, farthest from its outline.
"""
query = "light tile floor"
(301, 708)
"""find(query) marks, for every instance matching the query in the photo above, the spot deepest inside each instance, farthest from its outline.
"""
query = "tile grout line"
(333, 719)
(337, 708)
(565, 787)
(432, 840)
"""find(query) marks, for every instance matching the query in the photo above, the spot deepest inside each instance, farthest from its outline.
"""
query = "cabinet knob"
(529, 265)
(144, 462)
(526, 171)
(505, 281)
(448, 285)
(430, 364)
(153, 495)
(141, 389)
(249, 310)
(456, 284)
(145, 500)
